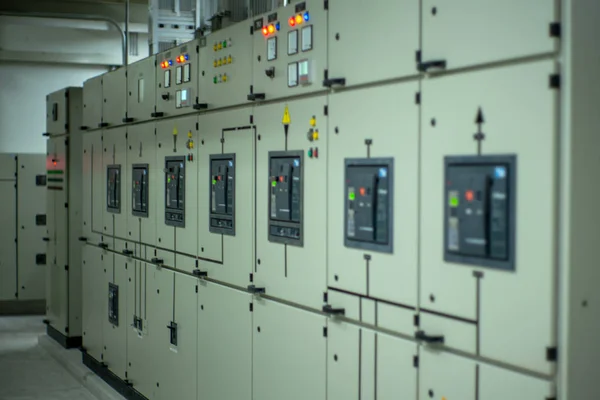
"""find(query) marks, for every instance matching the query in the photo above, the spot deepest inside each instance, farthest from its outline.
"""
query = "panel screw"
(434, 11)
(258, 137)
(430, 393)
(258, 261)
(432, 121)
(258, 58)
(336, 278)
(337, 36)
(202, 249)
(335, 357)
(432, 298)
(337, 130)
(202, 307)
(258, 328)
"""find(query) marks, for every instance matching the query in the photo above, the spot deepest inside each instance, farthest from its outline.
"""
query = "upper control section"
(177, 80)
(479, 217)
(290, 51)
(141, 85)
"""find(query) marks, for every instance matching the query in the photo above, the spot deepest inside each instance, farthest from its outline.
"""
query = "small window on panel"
(178, 75)
(168, 78)
(140, 91)
(307, 38)
(187, 72)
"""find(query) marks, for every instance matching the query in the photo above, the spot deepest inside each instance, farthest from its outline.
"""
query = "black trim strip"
(362, 296)
(123, 388)
(65, 341)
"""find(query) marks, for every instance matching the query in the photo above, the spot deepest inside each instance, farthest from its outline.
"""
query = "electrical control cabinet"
(291, 200)
(114, 335)
(222, 194)
(288, 343)
(177, 185)
(92, 103)
(116, 175)
(8, 235)
(92, 146)
(142, 185)
(94, 299)
(141, 85)
(114, 104)
(369, 211)
(290, 51)
(32, 224)
(480, 212)
(57, 117)
(488, 229)
(227, 254)
(285, 197)
(371, 249)
(501, 23)
(348, 47)
(226, 66)
(177, 80)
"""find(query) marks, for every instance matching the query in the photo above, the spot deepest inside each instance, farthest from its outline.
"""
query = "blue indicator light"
(170, 62)
(277, 26)
(500, 172)
(382, 173)
(296, 163)
(306, 16)
(186, 56)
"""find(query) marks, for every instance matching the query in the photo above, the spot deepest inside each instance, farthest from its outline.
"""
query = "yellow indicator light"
(215, 47)
(224, 77)
(219, 62)
(313, 121)
(299, 19)
(316, 135)
(220, 46)
(229, 60)
(215, 63)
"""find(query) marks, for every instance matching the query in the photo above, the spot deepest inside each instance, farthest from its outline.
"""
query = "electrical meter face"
(293, 42)
(113, 188)
(175, 191)
(140, 192)
(286, 197)
(222, 194)
(293, 74)
(272, 48)
(479, 210)
(369, 203)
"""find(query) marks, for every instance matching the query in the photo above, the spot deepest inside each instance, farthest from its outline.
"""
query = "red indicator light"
(362, 191)
(281, 179)
(265, 31)
(292, 21)
(469, 195)
(271, 29)
(219, 177)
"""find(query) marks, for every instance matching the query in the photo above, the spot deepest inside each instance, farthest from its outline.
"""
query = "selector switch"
(113, 189)
(222, 194)
(286, 197)
(479, 218)
(139, 194)
(175, 191)
(369, 204)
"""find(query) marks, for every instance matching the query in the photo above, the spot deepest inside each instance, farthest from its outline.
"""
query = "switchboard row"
(170, 335)
(309, 196)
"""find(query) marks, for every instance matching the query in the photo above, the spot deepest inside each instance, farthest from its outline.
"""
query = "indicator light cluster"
(166, 64)
(299, 19)
(179, 59)
(182, 58)
(222, 45)
(270, 29)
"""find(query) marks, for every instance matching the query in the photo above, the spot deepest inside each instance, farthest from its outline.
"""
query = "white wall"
(23, 90)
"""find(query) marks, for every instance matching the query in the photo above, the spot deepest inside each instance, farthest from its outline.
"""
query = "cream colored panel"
(510, 331)
(141, 85)
(396, 374)
(114, 91)
(443, 375)
(92, 102)
(391, 276)
(94, 296)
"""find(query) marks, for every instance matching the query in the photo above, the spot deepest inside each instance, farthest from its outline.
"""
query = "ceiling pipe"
(126, 36)
(88, 17)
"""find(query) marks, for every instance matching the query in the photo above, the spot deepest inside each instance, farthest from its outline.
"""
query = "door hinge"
(324, 331)
(66, 140)
(251, 277)
(251, 307)
(252, 119)
(418, 56)
(326, 4)
(325, 297)
(196, 288)
(325, 110)
(417, 320)
(555, 29)
(554, 81)
(66, 205)
(551, 354)
(197, 126)
(66, 267)
(416, 361)
(66, 329)
(418, 98)
(197, 49)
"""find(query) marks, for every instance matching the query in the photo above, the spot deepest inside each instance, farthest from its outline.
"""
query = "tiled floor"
(27, 371)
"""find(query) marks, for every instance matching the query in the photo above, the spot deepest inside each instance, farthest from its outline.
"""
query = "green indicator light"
(215, 80)
(273, 183)
(351, 196)
(214, 182)
(453, 201)
(225, 43)
(168, 180)
(310, 153)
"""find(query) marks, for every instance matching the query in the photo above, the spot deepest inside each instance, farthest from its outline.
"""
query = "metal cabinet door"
(57, 117)
(141, 84)
(31, 204)
(514, 93)
(470, 32)
(93, 299)
(114, 92)
(8, 247)
(92, 102)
